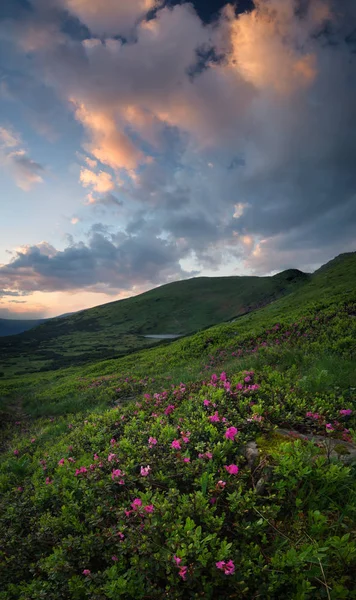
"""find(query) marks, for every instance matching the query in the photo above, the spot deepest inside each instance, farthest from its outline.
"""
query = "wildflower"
(247, 379)
(177, 560)
(136, 503)
(149, 508)
(145, 471)
(230, 433)
(228, 568)
(185, 439)
(220, 564)
(223, 376)
(71, 459)
(232, 469)
(61, 462)
(176, 445)
(114, 558)
(214, 418)
(33, 440)
(329, 427)
(221, 484)
(113, 441)
(115, 474)
(48, 481)
(169, 409)
(152, 441)
(186, 459)
(86, 572)
(206, 402)
(121, 535)
(346, 412)
(16, 452)
(183, 572)
(96, 457)
(111, 456)
(214, 378)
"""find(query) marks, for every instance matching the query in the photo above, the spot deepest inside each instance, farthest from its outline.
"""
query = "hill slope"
(15, 326)
(117, 328)
(220, 466)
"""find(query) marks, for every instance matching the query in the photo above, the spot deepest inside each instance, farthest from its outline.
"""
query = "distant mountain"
(117, 328)
(15, 326)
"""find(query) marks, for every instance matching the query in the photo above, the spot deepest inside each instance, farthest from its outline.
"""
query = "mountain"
(221, 465)
(117, 328)
(15, 326)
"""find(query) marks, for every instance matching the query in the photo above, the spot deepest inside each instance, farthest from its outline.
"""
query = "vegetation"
(15, 326)
(118, 328)
(219, 466)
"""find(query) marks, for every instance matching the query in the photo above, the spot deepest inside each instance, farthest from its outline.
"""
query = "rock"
(251, 453)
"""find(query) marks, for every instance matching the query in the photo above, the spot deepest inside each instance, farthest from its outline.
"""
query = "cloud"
(24, 170)
(110, 17)
(100, 182)
(107, 263)
(229, 142)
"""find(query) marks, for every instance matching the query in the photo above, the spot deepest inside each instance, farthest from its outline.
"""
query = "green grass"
(287, 522)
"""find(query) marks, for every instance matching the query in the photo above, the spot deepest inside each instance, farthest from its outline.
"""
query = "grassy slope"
(289, 537)
(117, 328)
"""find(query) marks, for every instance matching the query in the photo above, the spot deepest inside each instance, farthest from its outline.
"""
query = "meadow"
(220, 465)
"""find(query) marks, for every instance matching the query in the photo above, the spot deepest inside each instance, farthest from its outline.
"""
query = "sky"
(150, 141)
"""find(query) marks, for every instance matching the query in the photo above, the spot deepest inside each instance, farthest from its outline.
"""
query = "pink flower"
(177, 560)
(136, 503)
(48, 481)
(113, 441)
(96, 457)
(16, 452)
(186, 459)
(114, 558)
(232, 469)
(20, 489)
(71, 459)
(115, 474)
(183, 572)
(70, 426)
(214, 418)
(214, 378)
(206, 402)
(185, 439)
(230, 433)
(111, 456)
(121, 535)
(149, 508)
(223, 376)
(229, 568)
(221, 484)
(33, 440)
(345, 412)
(145, 471)
(208, 455)
(212, 500)
(176, 445)
(169, 409)
(61, 462)
(152, 441)
(247, 379)
(86, 572)
(329, 427)
(220, 564)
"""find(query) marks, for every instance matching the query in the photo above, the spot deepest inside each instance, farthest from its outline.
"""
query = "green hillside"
(222, 465)
(118, 328)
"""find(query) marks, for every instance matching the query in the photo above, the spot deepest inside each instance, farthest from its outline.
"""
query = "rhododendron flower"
(145, 471)
(212, 500)
(152, 441)
(176, 445)
(48, 481)
(96, 457)
(186, 459)
(71, 459)
(223, 376)
(169, 409)
(221, 484)
(86, 572)
(206, 402)
(136, 503)
(228, 568)
(20, 489)
(16, 452)
(247, 379)
(214, 378)
(149, 508)
(232, 469)
(33, 440)
(183, 572)
(111, 457)
(116, 473)
(329, 427)
(113, 441)
(121, 535)
(214, 418)
(61, 462)
(345, 412)
(114, 558)
(230, 433)
(185, 439)
(177, 559)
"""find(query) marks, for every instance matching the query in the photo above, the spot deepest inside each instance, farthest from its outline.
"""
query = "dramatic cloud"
(230, 143)
(24, 170)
